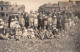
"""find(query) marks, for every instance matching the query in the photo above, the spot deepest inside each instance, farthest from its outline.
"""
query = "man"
(40, 20)
(46, 21)
(26, 20)
(55, 31)
(50, 21)
(60, 23)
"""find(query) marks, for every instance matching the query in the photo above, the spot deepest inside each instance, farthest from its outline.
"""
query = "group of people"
(36, 24)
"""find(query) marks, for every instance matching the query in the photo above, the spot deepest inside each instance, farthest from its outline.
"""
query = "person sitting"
(41, 34)
(36, 32)
(12, 32)
(49, 34)
(4, 36)
(25, 32)
(55, 31)
(30, 33)
(18, 33)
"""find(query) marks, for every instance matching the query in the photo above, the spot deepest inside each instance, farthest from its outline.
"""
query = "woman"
(18, 33)
(25, 32)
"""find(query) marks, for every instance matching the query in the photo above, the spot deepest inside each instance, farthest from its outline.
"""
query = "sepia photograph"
(39, 25)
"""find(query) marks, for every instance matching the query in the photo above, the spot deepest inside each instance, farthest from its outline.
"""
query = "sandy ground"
(65, 43)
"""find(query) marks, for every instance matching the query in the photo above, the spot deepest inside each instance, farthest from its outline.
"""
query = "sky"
(32, 4)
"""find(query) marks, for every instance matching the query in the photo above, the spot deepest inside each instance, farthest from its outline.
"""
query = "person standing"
(65, 21)
(22, 21)
(31, 19)
(60, 23)
(40, 20)
(35, 20)
(46, 21)
(50, 21)
(26, 20)
(54, 22)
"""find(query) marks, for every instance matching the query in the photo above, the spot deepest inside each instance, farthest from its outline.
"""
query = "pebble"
(44, 51)
(30, 48)
(5, 48)
(9, 50)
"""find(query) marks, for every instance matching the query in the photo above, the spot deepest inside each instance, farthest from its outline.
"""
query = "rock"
(44, 51)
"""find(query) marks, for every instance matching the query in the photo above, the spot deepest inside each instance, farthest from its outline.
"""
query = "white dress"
(25, 33)
(22, 21)
(35, 22)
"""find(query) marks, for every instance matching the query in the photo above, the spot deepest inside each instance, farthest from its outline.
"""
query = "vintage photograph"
(39, 25)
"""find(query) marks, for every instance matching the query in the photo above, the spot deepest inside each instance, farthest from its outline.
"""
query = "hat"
(15, 19)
